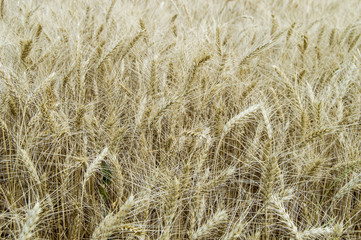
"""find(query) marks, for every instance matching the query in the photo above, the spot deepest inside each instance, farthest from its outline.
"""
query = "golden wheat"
(180, 119)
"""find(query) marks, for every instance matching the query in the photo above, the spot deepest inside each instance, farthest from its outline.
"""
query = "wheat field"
(180, 119)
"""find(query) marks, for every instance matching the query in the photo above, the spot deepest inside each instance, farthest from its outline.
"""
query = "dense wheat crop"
(180, 119)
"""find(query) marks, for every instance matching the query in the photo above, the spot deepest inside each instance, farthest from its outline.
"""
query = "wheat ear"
(280, 210)
(354, 182)
(32, 218)
(26, 47)
(193, 71)
(237, 231)
(235, 121)
(110, 10)
(171, 208)
(316, 233)
(112, 222)
(2, 8)
(211, 225)
(30, 166)
(93, 167)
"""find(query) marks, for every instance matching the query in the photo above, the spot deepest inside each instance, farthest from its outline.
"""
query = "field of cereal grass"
(150, 119)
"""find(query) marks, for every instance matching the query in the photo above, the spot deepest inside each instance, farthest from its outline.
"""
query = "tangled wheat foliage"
(186, 119)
